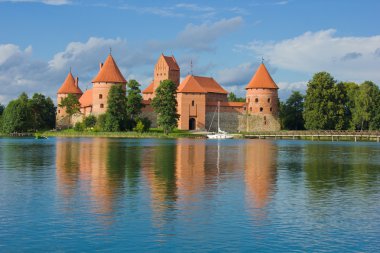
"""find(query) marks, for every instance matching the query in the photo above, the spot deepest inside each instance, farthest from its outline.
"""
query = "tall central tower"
(166, 68)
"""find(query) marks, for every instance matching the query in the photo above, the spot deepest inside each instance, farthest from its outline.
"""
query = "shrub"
(79, 126)
(90, 121)
(100, 122)
(142, 125)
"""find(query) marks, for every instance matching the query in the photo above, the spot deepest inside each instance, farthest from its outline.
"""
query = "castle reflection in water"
(171, 174)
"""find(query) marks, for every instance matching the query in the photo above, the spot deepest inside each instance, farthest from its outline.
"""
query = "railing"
(318, 134)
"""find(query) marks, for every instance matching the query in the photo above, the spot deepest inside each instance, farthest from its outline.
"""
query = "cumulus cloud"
(238, 75)
(20, 71)
(347, 58)
(48, 2)
(202, 37)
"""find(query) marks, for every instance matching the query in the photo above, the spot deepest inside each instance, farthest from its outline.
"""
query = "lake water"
(185, 195)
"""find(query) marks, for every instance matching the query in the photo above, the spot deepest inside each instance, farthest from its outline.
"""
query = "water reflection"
(99, 165)
(178, 173)
(260, 171)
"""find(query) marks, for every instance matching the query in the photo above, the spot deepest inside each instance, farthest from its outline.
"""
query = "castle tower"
(262, 95)
(108, 75)
(69, 86)
(166, 68)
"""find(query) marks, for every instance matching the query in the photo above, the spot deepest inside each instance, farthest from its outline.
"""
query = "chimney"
(100, 65)
(76, 81)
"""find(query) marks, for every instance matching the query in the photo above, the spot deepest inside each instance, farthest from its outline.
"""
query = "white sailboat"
(220, 134)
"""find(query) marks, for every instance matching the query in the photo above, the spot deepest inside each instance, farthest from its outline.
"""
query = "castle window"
(250, 109)
(261, 109)
(248, 100)
(256, 100)
(265, 120)
(268, 100)
(271, 109)
(101, 106)
(59, 111)
(192, 103)
(100, 96)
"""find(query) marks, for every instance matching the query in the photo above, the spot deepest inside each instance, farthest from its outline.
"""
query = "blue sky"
(41, 39)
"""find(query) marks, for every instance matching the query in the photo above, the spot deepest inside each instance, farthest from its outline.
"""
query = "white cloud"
(48, 2)
(346, 58)
(201, 37)
(239, 75)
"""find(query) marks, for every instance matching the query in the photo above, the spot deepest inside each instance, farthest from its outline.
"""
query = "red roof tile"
(262, 79)
(200, 84)
(69, 86)
(109, 73)
(149, 89)
(86, 99)
(172, 63)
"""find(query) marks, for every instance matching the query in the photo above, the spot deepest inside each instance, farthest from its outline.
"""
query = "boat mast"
(218, 116)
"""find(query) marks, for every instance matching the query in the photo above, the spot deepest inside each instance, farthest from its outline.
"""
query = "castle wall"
(61, 111)
(191, 105)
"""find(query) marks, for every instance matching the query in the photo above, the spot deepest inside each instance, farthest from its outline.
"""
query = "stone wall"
(229, 121)
(252, 123)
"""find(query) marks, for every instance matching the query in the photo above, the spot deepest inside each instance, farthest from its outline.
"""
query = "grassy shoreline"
(150, 134)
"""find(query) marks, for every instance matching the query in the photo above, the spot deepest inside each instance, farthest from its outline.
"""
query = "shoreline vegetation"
(353, 136)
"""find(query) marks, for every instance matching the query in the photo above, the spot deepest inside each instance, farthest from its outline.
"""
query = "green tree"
(116, 112)
(70, 104)
(325, 103)
(233, 98)
(165, 105)
(291, 112)
(16, 116)
(134, 102)
(1, 113)
(366, 113)
(1, 109)
(352, 90)
(42, 112)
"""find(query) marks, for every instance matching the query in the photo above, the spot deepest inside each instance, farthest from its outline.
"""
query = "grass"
(152, 133)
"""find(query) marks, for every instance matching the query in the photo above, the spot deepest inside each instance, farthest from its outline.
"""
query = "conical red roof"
(69, 86)
(109, 73)
(262, 79)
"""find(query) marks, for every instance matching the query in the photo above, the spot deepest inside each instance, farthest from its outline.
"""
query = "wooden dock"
(318, 135)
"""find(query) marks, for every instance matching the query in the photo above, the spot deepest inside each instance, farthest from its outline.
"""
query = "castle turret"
(108, 75)
(69, 86)
(262, 95)
(166, 68)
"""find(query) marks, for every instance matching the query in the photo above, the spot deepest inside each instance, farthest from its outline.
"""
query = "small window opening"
(101, 105)
(261, 109)
(256, 100)
(100, 96)
(192, 103)
(271, 109)
(268, 100)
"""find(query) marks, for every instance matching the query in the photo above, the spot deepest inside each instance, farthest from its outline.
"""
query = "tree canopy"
(233, 98)
(165, 105)
(116, 115)
(24, 114)
(71, 104)
(366, 112)
(325, 103)
(291, 112)
(42, 112)
(134, 101)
